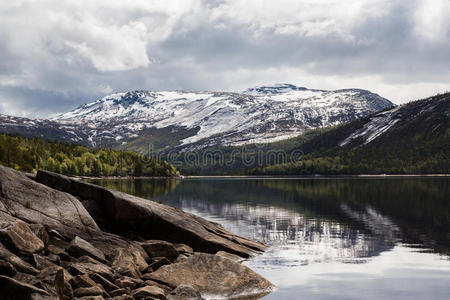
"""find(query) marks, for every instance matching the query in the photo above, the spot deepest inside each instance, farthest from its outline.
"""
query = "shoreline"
(62, 238)
(259, 176)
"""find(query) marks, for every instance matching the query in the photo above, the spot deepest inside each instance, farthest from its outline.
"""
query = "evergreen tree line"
(32, 154)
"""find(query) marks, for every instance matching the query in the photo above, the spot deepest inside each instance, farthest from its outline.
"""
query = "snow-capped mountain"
(196, 120)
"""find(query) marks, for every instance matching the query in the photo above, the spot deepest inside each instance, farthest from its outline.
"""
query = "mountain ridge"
(199, 120)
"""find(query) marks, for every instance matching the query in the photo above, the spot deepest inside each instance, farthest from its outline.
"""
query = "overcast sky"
(56, 55)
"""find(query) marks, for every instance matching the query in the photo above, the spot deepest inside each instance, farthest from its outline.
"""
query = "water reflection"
(316, 227)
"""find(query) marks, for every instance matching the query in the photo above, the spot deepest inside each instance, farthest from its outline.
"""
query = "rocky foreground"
(61, 238)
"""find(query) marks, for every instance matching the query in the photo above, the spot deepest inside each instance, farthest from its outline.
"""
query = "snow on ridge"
(378, 125)
(285, 110)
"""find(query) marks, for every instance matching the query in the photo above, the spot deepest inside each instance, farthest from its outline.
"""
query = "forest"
(32, 154)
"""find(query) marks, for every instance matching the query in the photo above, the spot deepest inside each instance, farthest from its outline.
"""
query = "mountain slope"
(197, 120)
(413, 138)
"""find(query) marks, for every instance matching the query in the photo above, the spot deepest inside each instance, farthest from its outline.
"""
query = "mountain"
(412, 138)
(196, 120)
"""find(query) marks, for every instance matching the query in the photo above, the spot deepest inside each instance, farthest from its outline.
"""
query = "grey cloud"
(196, 51)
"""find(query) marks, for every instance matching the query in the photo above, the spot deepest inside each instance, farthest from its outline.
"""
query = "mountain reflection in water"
(324, 222)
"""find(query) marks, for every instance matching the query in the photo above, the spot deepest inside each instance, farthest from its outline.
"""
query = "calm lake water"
(330, 238)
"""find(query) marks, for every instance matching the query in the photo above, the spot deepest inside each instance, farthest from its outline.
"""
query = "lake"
(329, 238)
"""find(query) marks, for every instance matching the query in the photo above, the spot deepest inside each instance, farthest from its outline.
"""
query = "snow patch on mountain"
(378, 125)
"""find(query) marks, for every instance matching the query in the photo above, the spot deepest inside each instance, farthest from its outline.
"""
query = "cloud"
(59, 54)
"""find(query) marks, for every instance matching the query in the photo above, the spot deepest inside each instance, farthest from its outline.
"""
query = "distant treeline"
(30, 155)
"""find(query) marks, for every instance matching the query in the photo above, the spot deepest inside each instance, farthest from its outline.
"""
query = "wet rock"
(82, 281)
(14, 289)
(129, 213)
(79, 247)
(149, 291)
(7, 269)
(62, 285)
(16, 261)
(107, 285)
(19, 238)
(213, 275)
(156, 248)
(184, 292)
(89, 291)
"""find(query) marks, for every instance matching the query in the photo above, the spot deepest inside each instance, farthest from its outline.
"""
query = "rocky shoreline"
(61, 238)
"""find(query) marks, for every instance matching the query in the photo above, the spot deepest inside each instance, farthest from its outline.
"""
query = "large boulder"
(152, 220)
(32, 202)
(213, 276)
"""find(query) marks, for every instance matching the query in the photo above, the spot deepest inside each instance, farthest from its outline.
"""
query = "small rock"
(156, 248)
(107, 285)
(91, 298)
(184, 292)
(149, 291)
(20, 239)
(40, 231)
(54, 259)
(48, 274)
(123, 297)
(37, 296)
(7, 269)
(14, 289)
(82, 281)
(91, 267)
(158, 263)
(128, 262)
(41, 262)
(62, 285)
(79, 247)
(16, 261)
(183, 249)
(181, 257)
(127, 282)
(119, 292)
(89, 291)
(167, 289)
(56, 234)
